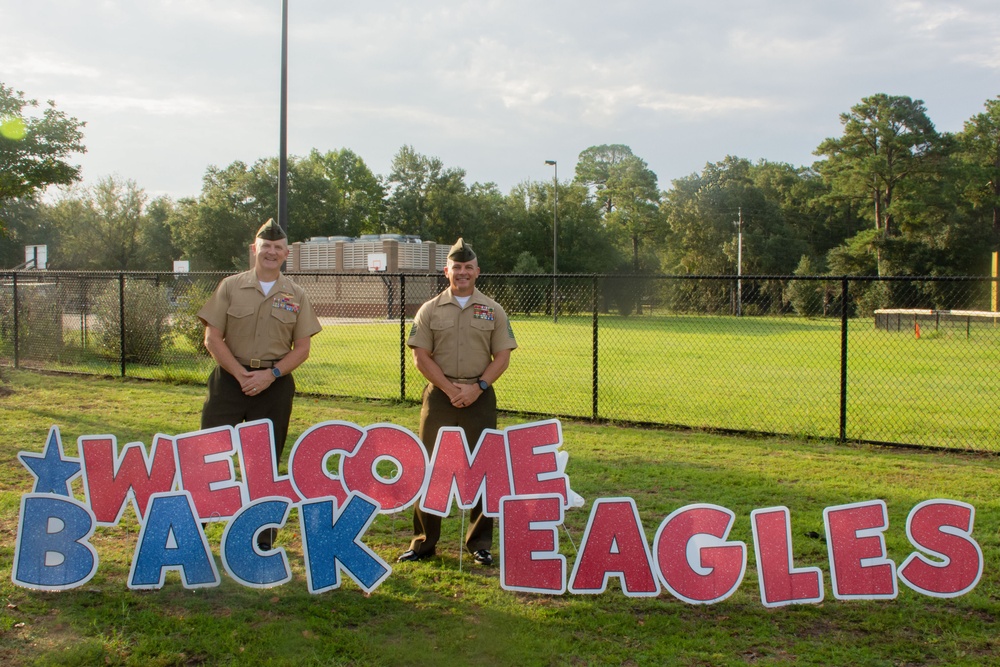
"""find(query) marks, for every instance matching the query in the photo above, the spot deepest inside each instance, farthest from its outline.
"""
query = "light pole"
(739, 263)
(555, 225)
(283, 125)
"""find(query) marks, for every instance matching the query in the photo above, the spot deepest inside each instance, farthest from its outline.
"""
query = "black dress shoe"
(265, 541)
(411, 555)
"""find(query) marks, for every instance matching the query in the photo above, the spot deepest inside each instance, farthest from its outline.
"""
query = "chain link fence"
(911, 361)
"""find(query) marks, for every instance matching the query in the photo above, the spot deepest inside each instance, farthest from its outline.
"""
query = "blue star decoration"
(52, 470)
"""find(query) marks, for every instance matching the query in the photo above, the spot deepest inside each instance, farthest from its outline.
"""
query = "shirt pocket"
(282, 325)
(240, 322)
(442, 323)
(483, 325)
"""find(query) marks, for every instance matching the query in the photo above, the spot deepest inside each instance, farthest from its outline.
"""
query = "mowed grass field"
(774, 375)
(445, 611)
(757, 374)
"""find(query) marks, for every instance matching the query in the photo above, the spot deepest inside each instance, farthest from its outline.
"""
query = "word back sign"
(519, 475)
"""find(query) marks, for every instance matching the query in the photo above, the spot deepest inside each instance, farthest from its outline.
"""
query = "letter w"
(109, 480)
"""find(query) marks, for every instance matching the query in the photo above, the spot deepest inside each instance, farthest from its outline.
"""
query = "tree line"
(890, 196)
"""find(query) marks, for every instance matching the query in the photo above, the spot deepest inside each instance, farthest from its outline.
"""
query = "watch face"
(484, 385)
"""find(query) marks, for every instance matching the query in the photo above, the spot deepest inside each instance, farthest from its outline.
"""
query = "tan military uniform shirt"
(255, 326)
(462, 340)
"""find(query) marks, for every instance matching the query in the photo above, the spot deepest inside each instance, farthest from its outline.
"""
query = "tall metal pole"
(555, 236)
(739, 265)
(283, 122)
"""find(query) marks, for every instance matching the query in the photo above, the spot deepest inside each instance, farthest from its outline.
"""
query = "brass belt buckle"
(255, 363)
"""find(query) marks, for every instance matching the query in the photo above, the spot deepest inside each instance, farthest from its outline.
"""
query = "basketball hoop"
(377, 262)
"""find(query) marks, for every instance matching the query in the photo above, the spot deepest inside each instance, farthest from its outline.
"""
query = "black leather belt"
(258, 363)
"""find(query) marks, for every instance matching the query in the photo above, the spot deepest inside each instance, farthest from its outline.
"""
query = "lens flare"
(13, 128)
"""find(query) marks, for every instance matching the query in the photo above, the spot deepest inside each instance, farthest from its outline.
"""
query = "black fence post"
(402, 337)
(121, 318)
(593, 309)
(17, 328)
(843, 359)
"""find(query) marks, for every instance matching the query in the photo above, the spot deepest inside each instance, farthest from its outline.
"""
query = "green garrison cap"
(461, 252)
(271, 231)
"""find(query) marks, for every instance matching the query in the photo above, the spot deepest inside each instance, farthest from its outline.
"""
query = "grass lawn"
(447, 611)
(752, 374)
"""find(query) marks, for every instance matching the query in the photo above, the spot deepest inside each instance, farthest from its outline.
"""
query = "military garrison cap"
(271, 231)
(461, 252)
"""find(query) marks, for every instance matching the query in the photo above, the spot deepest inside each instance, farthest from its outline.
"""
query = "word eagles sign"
(520, 476)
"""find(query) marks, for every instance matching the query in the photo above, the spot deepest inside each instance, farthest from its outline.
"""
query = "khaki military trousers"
(435, 413)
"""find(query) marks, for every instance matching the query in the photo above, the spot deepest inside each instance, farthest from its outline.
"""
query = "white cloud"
(122, 104)
(496, 86)
(754, 46)
(27, 65)
(231, 15)
(696, 105)
(963, 33)
(930, 17)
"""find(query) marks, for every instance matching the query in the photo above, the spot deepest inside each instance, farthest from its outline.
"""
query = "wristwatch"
(275, 371)
(483, 384)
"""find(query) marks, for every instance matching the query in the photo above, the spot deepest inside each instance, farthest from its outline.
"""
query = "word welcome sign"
(519, 474)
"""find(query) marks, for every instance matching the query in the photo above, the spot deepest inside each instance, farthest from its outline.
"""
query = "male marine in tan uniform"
(257, 328)
(461, 342)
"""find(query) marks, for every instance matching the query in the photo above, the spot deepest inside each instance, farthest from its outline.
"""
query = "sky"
(168, 88)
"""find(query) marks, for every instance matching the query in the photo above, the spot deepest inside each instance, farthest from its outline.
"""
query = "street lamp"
(555, 225)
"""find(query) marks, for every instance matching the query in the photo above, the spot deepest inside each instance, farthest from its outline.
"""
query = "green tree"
(522, 223)
(888, 143)
(806, 296)
(813, 221)
(157, 249)
(100, 227)
(334, 194)
(584, 243)
(632, 186)
(33, 148)
(594, 167)
(426, 199)
(28, 223)
(487, 223)
(979, 150)
(526, 263)
(704, 211)
(529, 292)
(215, 230)
(705, 215)
(627, 192)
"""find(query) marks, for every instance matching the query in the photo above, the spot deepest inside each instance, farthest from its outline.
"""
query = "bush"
(622, 294)
(185, 321)
(39, 322)
(147, 325)
(806, 296)
(873, 296)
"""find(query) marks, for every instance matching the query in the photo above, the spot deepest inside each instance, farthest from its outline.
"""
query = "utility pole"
(555, 225)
